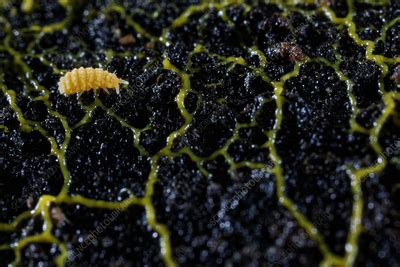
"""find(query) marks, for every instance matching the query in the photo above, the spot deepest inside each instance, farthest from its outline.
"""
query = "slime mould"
(253, 133)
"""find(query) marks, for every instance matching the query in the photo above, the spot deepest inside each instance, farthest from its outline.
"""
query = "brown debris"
(149, 46)
(291, 52)
(127, 39)
(58, 216)
(159, 77)
(326, 2)
(396, 75)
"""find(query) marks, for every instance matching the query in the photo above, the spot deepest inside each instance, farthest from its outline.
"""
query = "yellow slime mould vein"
(27, 5)
(184, 17)
(42, 208)
(278, 172)
(356, 176)
(138, 28)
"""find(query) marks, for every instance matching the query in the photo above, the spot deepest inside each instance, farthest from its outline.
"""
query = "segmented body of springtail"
(86, 79)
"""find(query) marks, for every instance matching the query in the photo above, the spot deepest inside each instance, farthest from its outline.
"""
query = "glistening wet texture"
(251, 134)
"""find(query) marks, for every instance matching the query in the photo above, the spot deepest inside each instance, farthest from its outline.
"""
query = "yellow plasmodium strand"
(165, 243)
(27, 5)
(64, 3)
(180, 101)
(77, 79)
(42, 208)
(129, 20)
(358, 175)
(193, 9)
(278, 172)
(145, 202)
(86, 79)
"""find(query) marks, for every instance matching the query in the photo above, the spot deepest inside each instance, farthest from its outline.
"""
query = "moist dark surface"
(251, 134)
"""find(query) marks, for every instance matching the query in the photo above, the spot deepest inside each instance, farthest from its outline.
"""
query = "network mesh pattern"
(252, 133)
